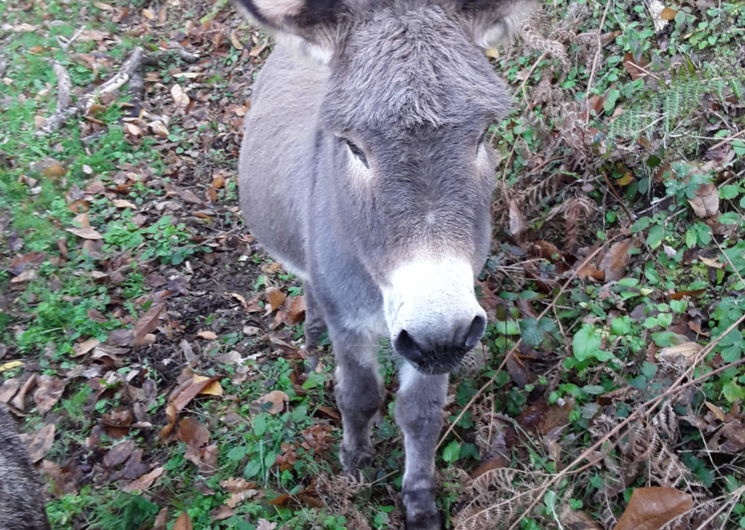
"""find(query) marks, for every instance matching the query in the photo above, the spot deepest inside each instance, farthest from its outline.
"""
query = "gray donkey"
(21, 493)
(364, 171)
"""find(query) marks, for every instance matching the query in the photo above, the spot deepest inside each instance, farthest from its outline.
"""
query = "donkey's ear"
(492, 22)
(310, 25)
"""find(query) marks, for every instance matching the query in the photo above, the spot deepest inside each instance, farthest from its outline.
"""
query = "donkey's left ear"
(310, 25)
(492, 22)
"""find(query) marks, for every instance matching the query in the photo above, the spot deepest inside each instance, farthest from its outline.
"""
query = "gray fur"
(21, 492)
(407, 82)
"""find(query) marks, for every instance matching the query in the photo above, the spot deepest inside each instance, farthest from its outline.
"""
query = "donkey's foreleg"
(419, 406)
(314, 325)
(359, 395)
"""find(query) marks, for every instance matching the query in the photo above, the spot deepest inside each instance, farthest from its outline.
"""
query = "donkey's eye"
(356, 151)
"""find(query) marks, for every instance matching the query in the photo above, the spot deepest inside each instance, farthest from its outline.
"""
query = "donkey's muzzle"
(439, 350)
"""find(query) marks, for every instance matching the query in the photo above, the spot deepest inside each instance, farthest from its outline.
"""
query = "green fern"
(661, 113)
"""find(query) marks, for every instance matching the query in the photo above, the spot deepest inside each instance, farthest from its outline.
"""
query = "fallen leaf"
(145, 481)
(9, 389)
(19, 401)
(681, 355)
(146, 324)
(122, 203)
(81, 348)
(183, 522)
(179, 96)
(275, 297)
(577, 520)
(711, 262)
(652, 508)
(516, 218)
(85, 233)
(615, 260)
(296, 311)
(39, 443)
(208, 335)
(706, 202)
(274, 402)
(10, 365)
(263, 524)
(118, 454)
(668, 13)
(190, 387)
(48, 392)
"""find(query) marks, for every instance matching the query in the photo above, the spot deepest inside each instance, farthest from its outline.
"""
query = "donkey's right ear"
(308, 25)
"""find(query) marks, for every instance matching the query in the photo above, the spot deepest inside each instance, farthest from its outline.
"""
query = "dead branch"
(62, 114)
(63, 86)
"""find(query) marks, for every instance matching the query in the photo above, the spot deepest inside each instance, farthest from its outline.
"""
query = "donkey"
(21, 493)
(364, 170)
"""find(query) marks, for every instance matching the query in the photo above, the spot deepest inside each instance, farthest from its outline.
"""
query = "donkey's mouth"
(439, 364)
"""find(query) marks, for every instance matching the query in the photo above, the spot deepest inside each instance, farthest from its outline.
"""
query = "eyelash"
(356, 151)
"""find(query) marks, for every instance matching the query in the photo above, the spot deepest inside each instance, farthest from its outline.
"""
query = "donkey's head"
(409, 96)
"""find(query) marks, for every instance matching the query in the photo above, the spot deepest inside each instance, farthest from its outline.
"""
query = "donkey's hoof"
(421, 510)
(355, 460)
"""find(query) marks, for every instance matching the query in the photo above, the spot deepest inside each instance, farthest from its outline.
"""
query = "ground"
(150, 350)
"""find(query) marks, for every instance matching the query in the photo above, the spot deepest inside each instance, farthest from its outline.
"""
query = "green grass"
(592, 360)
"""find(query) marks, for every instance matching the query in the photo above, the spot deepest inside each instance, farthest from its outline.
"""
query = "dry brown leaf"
(296, 310)
(48, 392)
(517, 219)
(145, 481)
(118, 454)
(706, 202)
(146, 324)
(19, 401)
(208, 335)
(183, 522)
(9, 389)
(711, 262)
(191, 386)
(222, 512)
(680, 355)
(122, 203)
(668, 13)
(25, 276)
(652, 508)
(85, 233)
(39, 443)
(615, 260)
(275, 297)
(716, 411)
(235, 40)
(161, 522)
(81, 348)
(54, 170)
(633, 67)
(577, 520)
(274, 402)
(180, 98)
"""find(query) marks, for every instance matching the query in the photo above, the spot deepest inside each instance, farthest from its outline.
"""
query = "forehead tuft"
(409, 66)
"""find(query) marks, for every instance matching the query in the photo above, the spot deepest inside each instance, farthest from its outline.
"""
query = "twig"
(63, 85)
(62, 114)
(728, 139)
(512, 351)
(3, 67)
(596, 58)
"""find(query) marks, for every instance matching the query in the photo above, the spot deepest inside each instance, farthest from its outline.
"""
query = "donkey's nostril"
(475, 332)
(407, 347)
